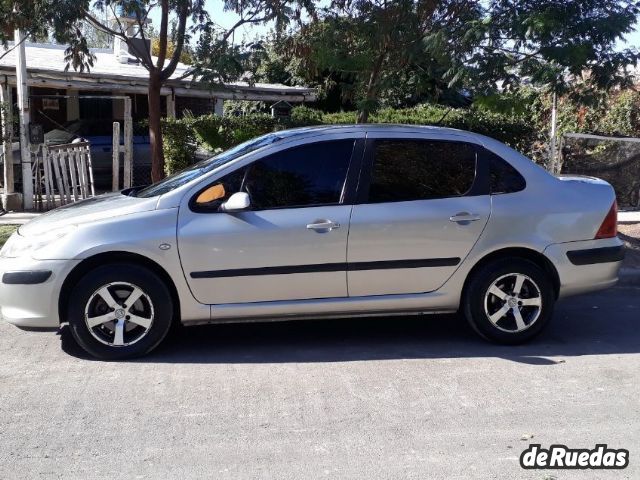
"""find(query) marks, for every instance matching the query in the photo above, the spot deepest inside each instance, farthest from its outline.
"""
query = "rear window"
(406, 170)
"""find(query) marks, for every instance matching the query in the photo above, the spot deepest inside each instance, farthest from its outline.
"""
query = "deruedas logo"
(561, 456)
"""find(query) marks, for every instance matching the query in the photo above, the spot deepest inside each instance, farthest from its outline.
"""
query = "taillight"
(609, 227)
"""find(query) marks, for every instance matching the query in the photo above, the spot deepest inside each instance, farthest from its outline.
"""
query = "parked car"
(319, 222)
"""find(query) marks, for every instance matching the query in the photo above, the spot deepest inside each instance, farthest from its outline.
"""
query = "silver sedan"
(315, 223)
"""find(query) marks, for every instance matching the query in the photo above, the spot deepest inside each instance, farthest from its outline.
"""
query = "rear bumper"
(586, 266)
(30, 289)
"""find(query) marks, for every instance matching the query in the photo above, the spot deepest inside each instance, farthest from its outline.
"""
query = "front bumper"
(586, 266)
(32, 304)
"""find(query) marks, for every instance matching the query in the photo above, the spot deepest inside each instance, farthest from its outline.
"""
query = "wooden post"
(48, 177)
(23, 109)
(71, 164)
(128, 143)
(83, 172)
(7, 137)
(559, 161)
(115, 183)
(92, 187)
(219, 107)
(553, 133)
(55, 161)
(171, 105)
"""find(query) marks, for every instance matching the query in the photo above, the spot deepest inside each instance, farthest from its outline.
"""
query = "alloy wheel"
(119, 314)
(513, 302)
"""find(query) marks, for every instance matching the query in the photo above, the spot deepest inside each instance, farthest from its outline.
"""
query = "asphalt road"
(401, 398)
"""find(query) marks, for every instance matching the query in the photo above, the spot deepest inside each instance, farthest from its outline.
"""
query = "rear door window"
(406, 170)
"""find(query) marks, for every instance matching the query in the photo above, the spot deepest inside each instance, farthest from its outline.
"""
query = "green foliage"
(215, 133)
(512, 130)
(303, 116)
(5, 233)
(385, 50)
(219, 133)
(60, 20)
(179, 143)
(622, 117)
(401, 53)
(239, 108)
(241, 129)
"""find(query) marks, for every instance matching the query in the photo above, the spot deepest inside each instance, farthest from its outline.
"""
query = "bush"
(215, 133)
(179, 145)
(510, 129)
(622, 117)
(303, 116)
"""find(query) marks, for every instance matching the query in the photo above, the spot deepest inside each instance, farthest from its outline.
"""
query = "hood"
(90, 210)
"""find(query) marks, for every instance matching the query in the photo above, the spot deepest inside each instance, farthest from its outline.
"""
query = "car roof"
(370, 127)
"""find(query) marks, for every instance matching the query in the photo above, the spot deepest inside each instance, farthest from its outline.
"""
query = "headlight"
(18, 246)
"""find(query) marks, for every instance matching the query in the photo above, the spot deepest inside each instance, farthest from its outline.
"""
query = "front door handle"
(464, 217)
(323, 225)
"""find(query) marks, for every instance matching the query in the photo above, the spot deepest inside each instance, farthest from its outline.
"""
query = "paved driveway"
(393, 398)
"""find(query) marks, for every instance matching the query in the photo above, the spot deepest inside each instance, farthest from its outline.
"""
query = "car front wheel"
(120, 311)
(509, 301)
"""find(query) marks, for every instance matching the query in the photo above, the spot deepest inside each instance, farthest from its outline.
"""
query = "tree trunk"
(155, 130)
(372, 89)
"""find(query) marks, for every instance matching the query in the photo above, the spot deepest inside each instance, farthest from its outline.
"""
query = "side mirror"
(237, 202)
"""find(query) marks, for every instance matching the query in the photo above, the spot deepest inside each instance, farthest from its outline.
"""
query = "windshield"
(185, 176)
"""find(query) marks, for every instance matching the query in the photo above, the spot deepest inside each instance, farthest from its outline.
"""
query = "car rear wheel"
(509, 301)
(120, 311)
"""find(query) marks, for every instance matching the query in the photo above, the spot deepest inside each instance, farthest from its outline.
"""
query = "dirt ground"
(630, 234)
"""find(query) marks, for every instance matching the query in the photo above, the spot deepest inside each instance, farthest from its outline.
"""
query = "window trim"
(347, 194)
(480, 185)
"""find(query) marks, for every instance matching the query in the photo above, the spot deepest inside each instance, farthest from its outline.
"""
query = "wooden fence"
(63, 174)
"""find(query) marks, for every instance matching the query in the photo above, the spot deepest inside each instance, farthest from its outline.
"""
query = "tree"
(215, 57)
(213, 53)
(387, 45)
(378, 44)
(39, 18)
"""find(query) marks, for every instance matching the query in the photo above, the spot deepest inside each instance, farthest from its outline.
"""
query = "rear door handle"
(323, 226)
(464, 217)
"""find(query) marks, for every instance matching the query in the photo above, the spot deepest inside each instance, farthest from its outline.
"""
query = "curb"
(629, 277)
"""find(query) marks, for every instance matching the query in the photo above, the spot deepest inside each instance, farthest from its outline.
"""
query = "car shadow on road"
(581, 326)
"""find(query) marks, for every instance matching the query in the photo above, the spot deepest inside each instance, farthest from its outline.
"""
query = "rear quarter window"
(503, 177)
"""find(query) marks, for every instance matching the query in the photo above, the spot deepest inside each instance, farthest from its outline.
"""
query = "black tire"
(483, 279)
(157, 301)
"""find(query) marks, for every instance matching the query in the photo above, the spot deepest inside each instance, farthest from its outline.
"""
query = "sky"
(250, 32)
(225, 20)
